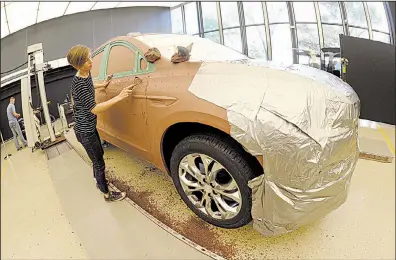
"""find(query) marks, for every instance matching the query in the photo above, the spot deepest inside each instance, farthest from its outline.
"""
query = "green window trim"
(138, 57)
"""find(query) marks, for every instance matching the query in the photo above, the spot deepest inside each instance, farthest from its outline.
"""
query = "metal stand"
(33, 129)
(8, 155)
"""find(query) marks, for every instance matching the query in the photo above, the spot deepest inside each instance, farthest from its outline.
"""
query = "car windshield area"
(202, 49)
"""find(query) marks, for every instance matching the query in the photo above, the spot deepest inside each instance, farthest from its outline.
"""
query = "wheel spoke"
(190, 167)
(206, 162)
(224, 214)
(205, 197)
(225, 210)
(206, 184)
(235, 196)
(189, 186)
(213, 172)
(208, 207)
(231, 186)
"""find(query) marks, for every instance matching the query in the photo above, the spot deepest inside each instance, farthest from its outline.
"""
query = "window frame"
(138, 57)
(96, 52)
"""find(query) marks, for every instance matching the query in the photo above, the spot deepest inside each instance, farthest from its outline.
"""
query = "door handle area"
(161, 101)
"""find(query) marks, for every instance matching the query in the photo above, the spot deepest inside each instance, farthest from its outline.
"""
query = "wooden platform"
(375, 149)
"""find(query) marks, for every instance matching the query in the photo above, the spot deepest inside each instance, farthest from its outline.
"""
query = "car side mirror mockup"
(182, 54)
(152, 55)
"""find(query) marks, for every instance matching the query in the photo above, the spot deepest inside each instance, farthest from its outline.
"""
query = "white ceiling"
(18, 15)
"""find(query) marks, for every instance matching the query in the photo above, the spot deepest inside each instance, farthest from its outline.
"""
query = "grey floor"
(52, 210)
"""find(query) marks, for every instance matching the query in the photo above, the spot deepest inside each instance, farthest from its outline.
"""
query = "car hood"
(299, 94)
(302, 121)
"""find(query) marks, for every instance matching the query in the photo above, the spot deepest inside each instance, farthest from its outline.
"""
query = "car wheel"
(211, 176)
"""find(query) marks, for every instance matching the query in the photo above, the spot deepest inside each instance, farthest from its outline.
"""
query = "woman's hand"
(126, 92)
(107, 81)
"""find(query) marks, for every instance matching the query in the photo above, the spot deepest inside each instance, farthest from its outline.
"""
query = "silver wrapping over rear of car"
(303, 122)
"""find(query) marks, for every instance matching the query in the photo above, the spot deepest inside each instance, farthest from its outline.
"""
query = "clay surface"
(138, 124)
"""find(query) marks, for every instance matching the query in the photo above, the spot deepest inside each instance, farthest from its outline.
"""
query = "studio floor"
(50, 209)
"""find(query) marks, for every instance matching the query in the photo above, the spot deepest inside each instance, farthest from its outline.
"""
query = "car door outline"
(135, 137)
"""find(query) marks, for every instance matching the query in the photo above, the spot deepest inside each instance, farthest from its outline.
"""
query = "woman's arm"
(100, 85)
(104, 84)
(101, 107)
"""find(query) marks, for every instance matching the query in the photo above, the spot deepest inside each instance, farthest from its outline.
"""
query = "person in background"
(86, 111)
(14, 125)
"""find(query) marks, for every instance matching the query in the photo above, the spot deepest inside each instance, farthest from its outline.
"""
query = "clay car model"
(168, 125)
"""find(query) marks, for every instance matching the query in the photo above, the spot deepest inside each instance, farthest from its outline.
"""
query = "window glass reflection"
(355, 14)
(257, 44)
(177, 20)
(304, 11)
(209, 15)
(381, 37)
(330, 12)
(277, 12)
(253, 13)
(378, 16)
(191, 17)
(213, 36)
(232, 39)
(331, 35)
(281, 44)
(308, 37)
(360, 33)
(229, 14)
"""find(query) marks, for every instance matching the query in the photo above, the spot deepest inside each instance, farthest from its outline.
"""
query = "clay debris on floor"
(337, 235)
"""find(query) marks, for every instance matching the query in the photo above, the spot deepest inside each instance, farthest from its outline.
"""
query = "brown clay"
(182, 54)
(152, 55)
(138, 124)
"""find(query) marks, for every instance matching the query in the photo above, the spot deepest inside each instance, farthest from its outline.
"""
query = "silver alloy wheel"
(209, 186)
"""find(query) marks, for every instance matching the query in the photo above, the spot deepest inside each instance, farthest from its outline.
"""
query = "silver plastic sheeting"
(303, 122)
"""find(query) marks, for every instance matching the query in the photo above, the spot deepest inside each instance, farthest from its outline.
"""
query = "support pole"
(8, 155)
(39, 61)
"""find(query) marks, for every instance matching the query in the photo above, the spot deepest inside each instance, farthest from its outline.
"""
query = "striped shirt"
(83, 95)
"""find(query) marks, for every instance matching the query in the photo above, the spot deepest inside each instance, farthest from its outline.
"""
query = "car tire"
(234, 160)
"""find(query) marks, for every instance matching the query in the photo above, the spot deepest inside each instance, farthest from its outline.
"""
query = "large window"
(277, 12)
(255, 31)
(330, 15)
(229, 14)
(257, 44)
(281, 44)
(330, 12)
(253, 13)
(307, 30)
(381, 37)
(304, 12)
(210, 21)
(266, 29)
(359, 33)
(379, 21)
(232, 39)
(191, 16)
(378, 16)
(280, 34)
(230, 22)
(357, 20)
(331, 35)
(209, 15)
(308, 37)
(213, 36)
(177, 20)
